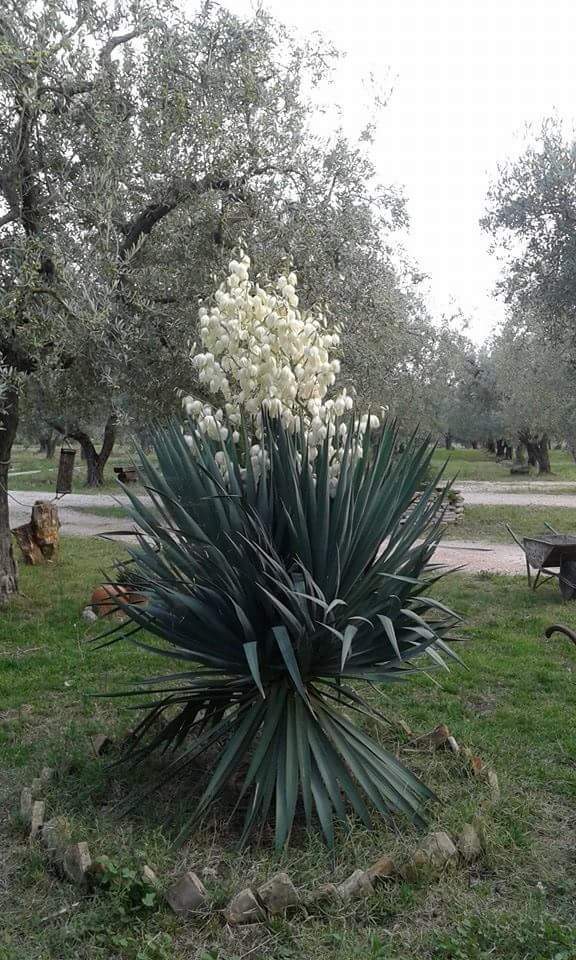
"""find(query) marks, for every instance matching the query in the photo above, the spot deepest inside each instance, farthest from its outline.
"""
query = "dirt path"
(520, 495)
(473, 556)
(75, 522)
(476, 557)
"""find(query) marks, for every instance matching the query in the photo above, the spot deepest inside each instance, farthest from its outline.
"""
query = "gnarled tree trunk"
(543, 454)
(8, 427)
(538, 450)
(571, 444)
(48, 444)
(96, 461)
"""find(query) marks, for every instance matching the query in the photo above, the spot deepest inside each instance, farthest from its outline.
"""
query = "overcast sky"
(467, 77)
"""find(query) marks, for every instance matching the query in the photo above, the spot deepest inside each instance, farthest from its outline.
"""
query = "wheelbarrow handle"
(514, 537)
(560, 628)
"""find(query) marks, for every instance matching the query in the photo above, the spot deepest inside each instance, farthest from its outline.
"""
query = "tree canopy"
(140, 143)
(531, 216)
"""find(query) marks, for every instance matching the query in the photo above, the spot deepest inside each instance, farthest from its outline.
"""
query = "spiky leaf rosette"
(279, 595)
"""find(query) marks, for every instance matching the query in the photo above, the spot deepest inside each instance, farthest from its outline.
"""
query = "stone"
(56, 837)
(475, 764)
(88, 615)
(325, 892)
(278, 894)
(469, 843)
(433, 740)
(492, 778)
(101, 744)
(244, 908)
(187, 894)
(46, 774)
(148, 875)
(76, 863)
(436, 854)
(357, 885)
(37, 818)
(382, 869)
(26, 804)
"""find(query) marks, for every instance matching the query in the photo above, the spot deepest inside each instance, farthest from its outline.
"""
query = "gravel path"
(476, 557)
(520, 495)
(75, 522)
(473, 556)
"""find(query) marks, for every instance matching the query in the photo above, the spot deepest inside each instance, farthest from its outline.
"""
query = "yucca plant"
(282, 594)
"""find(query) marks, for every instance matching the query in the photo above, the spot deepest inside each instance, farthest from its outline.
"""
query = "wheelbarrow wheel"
(568, 579)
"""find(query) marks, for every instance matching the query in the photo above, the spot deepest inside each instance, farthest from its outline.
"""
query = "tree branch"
(74, 432)
(14, 357)
(68, 88)
(105, 56)
(179, 192)
(48, 291)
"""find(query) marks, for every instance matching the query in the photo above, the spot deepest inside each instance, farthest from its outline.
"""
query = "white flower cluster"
(262, 352)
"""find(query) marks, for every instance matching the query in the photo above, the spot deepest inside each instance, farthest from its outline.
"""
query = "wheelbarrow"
(561, 628)
(546, 552)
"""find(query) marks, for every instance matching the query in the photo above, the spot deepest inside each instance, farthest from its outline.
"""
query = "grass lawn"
(481, 465)
(513, 703)
(487, 522)
(116, 513)
(32, 471)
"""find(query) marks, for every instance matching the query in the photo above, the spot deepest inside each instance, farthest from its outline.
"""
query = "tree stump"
(31, 551)
(46, 525)
(39, 538)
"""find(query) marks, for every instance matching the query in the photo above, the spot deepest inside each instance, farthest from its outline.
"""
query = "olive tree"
(139, 143)
(536, 383)
(531, 213)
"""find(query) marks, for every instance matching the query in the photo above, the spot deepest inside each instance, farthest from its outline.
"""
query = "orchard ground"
(512, 702)
(482, 465)
(32, 471)
(480, 543)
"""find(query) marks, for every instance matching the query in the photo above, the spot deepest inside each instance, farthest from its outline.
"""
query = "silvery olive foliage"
(141, 141)
(531, 208)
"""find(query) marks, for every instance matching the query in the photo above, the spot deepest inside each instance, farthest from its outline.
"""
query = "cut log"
(39, 538)
(25, 539)
(46, 526)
